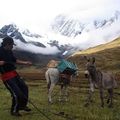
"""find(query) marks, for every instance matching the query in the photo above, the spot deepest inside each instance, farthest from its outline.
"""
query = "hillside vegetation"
(107, 59)
(107, 56)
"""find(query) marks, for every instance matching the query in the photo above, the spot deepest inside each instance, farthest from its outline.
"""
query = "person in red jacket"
(11, 79)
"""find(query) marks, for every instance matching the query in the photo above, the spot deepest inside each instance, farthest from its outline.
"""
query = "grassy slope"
(110, 45)
(107, 56)
(74, 108)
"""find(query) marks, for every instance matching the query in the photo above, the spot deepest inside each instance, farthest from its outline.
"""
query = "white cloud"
(35, 49)
(36, 15)
(27, 47)
(98, 36)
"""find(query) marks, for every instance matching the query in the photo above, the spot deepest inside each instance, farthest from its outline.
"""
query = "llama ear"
(86, 58)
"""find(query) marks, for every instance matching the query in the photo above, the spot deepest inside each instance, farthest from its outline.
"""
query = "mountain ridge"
(38, 47)
(71, 27)
(107, 58)
(23, 37)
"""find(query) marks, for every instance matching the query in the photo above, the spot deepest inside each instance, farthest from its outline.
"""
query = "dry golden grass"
(110, 45)
(107, 57)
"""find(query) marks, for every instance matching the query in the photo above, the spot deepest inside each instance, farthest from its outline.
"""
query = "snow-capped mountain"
(33, 46)
(71, 27)
(74, 32)
(13, 31)
(88, 32)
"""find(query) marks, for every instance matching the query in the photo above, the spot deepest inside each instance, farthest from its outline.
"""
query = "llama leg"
(110, 91)
(61, 92)
(65, 93)
(91, 91)
(101, 97)
(89, 98)
(48, 87)
(48, 81)
(50, 93)
(108, 99)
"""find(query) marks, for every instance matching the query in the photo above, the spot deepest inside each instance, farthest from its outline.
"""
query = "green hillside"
(107, 56)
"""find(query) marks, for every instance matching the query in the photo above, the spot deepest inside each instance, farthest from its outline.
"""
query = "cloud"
(98, 36)
(37, 15)
(35, 49)
(104, 10)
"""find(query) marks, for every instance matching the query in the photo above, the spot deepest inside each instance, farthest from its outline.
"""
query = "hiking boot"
(17, 114)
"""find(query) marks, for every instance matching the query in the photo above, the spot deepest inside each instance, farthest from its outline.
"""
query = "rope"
(39, 110)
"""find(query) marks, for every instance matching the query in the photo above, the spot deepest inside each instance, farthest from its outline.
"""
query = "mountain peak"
(72, 26)
(29, 34)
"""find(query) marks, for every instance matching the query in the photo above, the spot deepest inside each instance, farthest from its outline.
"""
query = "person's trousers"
(19, 93)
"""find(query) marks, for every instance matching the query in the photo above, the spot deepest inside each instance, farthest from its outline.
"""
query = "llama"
(102, 80)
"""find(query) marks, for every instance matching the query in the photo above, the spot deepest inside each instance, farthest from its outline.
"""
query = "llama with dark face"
(54, 76)
(102, 80)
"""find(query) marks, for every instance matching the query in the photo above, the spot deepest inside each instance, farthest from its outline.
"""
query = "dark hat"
(8, 40)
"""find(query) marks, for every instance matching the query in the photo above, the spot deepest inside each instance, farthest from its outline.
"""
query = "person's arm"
(23, 62)
(2, 62)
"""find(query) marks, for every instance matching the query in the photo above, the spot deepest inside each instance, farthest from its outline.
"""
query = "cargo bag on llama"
(67, 67)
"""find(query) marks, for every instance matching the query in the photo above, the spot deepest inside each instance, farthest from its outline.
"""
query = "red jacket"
(8, 75)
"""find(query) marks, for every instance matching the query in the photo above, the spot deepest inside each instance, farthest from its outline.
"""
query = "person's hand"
(28, 63)
(2, 62)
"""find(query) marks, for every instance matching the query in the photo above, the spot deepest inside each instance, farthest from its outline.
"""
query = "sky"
(37, 16)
